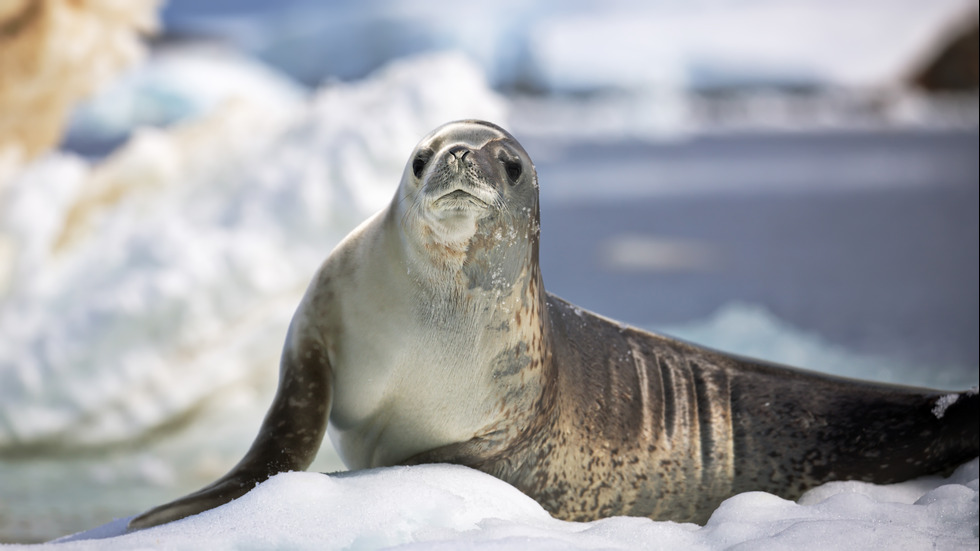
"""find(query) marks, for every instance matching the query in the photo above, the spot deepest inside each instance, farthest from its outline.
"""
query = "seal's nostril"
(459, 152)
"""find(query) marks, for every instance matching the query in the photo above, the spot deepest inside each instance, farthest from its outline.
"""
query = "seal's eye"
(513, 169)
(419, 162)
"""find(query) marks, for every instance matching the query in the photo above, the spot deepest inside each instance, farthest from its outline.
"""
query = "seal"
(427, 336)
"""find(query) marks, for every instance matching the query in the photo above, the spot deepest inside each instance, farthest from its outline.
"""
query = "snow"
(452, 507)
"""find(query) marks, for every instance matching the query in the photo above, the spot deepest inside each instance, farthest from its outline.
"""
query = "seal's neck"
(476, 265)
(483, 298)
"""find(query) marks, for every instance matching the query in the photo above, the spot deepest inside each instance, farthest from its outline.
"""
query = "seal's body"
(644, 425)
(427, 336)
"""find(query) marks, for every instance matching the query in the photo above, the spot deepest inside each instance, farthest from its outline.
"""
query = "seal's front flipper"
(217, 494)
(288, 440)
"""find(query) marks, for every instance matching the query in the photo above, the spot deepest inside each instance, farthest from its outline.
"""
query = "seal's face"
(466, 171)
(469, 198)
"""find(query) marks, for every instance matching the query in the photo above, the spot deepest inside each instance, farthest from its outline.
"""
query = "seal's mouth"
(459, 199)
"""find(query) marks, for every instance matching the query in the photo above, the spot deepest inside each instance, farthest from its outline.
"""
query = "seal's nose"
(459, 152)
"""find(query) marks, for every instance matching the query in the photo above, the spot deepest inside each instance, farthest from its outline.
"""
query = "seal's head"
(468, 202)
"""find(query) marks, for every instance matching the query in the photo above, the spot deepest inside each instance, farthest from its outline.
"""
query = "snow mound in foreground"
(451, 507)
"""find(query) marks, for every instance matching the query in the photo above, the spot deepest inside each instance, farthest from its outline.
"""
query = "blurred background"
(795, 180)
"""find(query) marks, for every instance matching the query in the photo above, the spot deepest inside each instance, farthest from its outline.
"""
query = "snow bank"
(452, 507)
(138, 288)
